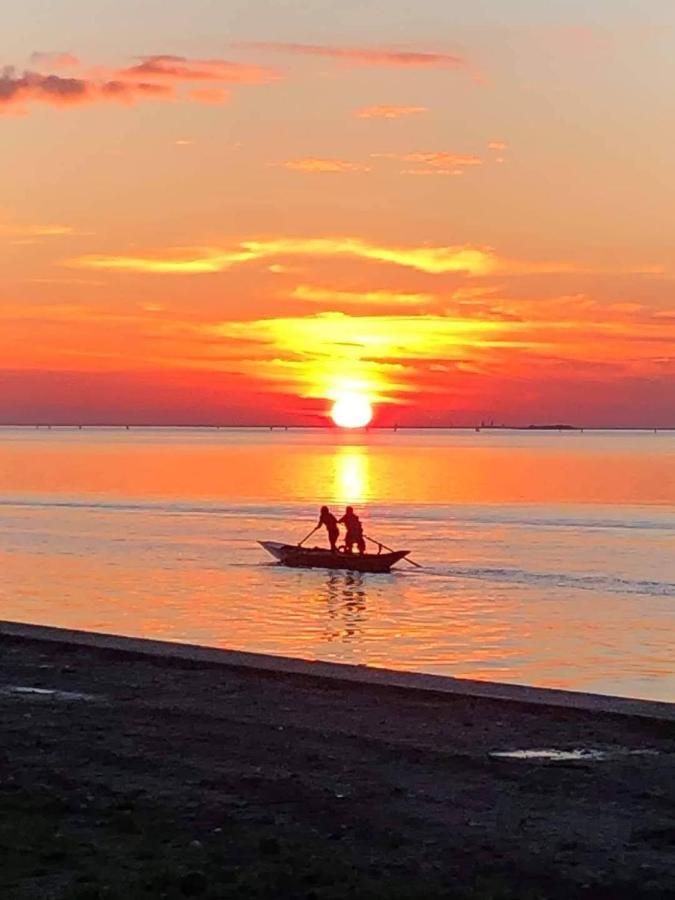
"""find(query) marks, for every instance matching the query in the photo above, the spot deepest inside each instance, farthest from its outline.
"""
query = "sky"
(241, 212)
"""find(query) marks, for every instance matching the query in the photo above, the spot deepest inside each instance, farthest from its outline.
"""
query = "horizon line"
(124, 426)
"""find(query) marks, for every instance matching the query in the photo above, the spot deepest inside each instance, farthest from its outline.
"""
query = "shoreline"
(153, 774)
(362, 675)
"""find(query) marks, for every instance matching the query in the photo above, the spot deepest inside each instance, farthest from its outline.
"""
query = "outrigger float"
(318, 558)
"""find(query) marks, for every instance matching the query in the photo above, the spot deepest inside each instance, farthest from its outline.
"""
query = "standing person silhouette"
(328, 519)
(354, 531)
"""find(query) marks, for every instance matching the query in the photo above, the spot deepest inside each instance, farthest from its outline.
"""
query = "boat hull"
(318, 558)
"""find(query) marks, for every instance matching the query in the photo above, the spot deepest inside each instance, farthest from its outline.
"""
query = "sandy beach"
(142, 777)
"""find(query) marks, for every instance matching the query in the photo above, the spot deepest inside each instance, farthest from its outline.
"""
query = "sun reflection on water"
(351, 475)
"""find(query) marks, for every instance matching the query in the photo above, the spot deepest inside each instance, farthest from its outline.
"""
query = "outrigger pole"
(380, 544)
(316, 528)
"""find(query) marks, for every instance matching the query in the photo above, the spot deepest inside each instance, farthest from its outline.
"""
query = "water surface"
(548, 558)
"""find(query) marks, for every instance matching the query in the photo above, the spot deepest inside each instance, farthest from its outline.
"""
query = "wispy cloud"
(165, 67)
(437, 161)
(497, 145)
(213, 96)
(367, 56)
(54, 60)
(390, 112)
(434, 260)
(22, 231)
(360, 298)
(314, 165)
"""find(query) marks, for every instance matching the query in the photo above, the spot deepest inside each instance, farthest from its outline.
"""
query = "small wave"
(404, 515)
(519, 518)
(606, 583)
(160, 507)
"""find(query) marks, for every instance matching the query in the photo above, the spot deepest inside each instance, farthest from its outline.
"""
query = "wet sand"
(172, 778)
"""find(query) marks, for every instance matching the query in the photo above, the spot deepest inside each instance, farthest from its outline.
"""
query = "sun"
(351, 411)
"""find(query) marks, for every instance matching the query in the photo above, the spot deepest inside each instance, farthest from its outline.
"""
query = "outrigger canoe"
(319, 558)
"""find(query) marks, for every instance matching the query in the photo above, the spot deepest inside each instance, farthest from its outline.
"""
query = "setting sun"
(351, 411)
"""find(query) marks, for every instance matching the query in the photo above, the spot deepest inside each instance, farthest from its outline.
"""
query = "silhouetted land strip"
(214, 426)
(179, 779)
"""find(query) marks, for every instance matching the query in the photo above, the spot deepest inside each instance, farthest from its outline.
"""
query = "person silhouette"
(354, 529)
(328, 519)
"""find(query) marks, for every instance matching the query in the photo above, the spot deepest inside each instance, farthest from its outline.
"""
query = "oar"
(307, 536)
(380, 544)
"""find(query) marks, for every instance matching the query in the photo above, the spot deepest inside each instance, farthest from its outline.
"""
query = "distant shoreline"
(206, 426)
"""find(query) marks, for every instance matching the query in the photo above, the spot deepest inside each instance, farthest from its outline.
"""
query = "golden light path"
(351, 475)
(352, 411)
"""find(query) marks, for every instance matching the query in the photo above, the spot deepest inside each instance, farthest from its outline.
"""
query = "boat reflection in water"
(346, 607)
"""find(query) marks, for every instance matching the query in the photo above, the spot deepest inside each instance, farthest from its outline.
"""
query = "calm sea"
(548, 558)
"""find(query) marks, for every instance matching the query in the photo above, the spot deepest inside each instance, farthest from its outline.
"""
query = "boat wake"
(604, 583)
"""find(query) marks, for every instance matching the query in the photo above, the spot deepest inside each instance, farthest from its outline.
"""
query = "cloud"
(432, 171)
(328, 354)
(390, 112)
(433, 260)
(371, 298)
(165, 67)
(463, 259)
(214, 96)
(153, 78)
(498, 145)
(182, 261)
(19, 90)
(367, 56)
(314, 165)
(16, 230)
(54, 60)
(437, 161)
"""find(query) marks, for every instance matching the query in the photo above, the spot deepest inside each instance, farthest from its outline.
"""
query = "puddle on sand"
(578, 755)
(46, 693)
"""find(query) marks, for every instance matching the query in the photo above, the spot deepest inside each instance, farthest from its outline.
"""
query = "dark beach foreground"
(158, 777)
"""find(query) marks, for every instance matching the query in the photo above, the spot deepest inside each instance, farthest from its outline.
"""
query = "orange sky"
(240, 214)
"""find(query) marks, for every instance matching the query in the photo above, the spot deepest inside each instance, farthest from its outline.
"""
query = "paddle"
(307, 536)
(380, 544)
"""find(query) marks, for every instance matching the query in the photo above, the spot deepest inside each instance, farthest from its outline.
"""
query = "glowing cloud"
(314, 165)
(390, 112)
(178, 68)
(434, 161)
(434, 260)
(374, 298)
(16, 230)
(367, 56)
(331, 354)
